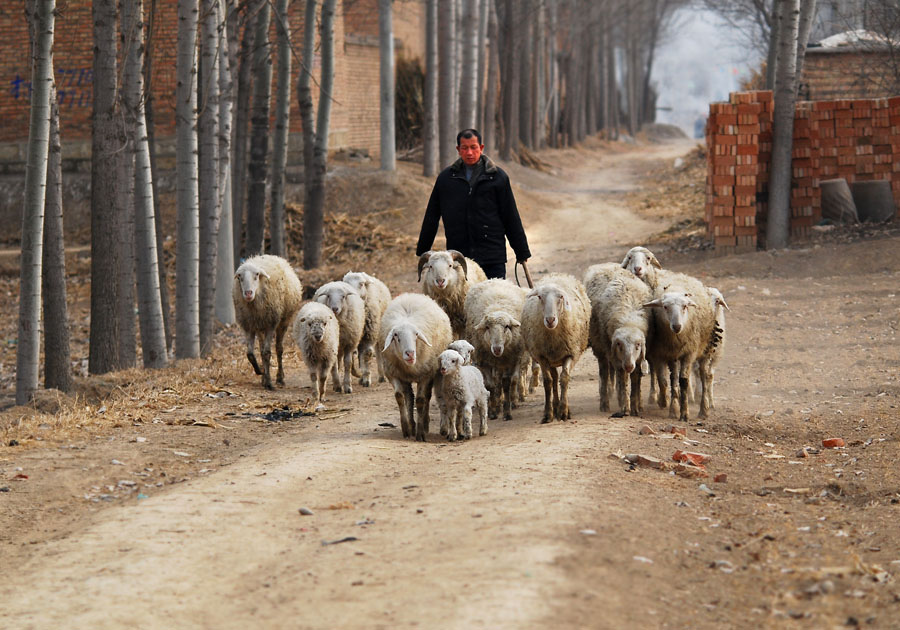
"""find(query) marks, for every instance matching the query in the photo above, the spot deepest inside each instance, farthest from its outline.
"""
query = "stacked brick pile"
(858, 140)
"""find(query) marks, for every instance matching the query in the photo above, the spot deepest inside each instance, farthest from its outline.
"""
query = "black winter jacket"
(478, 218)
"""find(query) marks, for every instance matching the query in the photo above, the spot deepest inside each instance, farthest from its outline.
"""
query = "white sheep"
(716, 347)
(619, 332)
(448, 275)
(348, 308)
(555, 323)
(267, 295)
(376, 296)
(684, 323)
(465, 350)
(463, 392)
(316, 332)
(414, 330)
(493, 309)
(642, 263)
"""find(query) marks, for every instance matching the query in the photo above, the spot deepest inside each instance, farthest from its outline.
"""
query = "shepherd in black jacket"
(474, 199)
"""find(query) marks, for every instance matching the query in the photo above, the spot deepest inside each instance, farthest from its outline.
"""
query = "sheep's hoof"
(365, 381)
(507, 416)
(546, 420)
(268, 384)
(444, 431)
(420, 438)
(348, 389)
(451, 438)
(280, 381)
(482, 431)
(493, 415)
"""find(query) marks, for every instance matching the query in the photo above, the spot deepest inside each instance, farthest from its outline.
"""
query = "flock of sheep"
(478, 345)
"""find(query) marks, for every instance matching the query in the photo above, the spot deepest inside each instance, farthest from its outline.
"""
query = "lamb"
(414, 330)
(448, 277)
(350, 311)
(463, 391)
(267, 295)
(465, 350)
(493, 309)
(619, 332)
(685, 320)
(710, 357)
(376, 296)
(555, 321)
(316, 332)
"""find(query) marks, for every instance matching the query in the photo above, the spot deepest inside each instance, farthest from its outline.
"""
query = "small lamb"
(316, 332)
(464, 394)
(267, 295)
(465, 350)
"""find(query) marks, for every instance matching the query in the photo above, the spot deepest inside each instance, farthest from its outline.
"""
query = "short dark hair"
(468, 133)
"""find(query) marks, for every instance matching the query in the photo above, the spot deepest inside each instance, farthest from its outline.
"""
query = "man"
(474, 199)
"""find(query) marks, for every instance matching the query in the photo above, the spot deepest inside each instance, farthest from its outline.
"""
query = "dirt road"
(531, 526)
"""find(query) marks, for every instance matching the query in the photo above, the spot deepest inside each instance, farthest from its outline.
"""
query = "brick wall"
(830, 74)
(858, 140)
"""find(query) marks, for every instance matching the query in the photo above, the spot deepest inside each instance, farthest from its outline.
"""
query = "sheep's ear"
(458, 257)
(422, 260)
(531, 294)
(424, 339)
(657, 303)
(655, 262)
(690, 302)
(567, 305)
(390, 338)
(481, 325)
(625, 261)
(719, 300)
(262, 272)
(515, 323)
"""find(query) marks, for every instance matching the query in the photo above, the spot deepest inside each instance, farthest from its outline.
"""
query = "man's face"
(470, 150)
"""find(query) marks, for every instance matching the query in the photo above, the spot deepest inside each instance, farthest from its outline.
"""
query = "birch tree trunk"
(386, 82)
(187, 263)
(778, 222)
(431, 106)
(105, 225)
(447, 70)
(29, 328)
(807, 16)
(209, 197)
(225, 243)
(153, 337)
(57, 355)
(468, 78)
(772, 53)
(282, 126)
(489, 133)
(241, 127)
(125, 206)
(259, 134)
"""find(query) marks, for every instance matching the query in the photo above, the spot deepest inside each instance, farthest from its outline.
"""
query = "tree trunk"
(187, 263)
(778, 222)
(526, 67)
(612, 87)
(489, 134)
(510, 82)
(259, 134)
(209, 197)
(225, 243)
(447, 69)
(386, 80)
(772, 53)
(313, 218)
(429, 135)
(57, 355)
(240, 132)
(807, 16)
(105, 225)
(553, 77)
(483, 6)
(153, 338)
(282, 127)
(29, 327)
(125, 204)
(468, 78)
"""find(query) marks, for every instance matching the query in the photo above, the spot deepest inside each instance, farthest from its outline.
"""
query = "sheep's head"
(442, 269)
(402, 338)
(640, 261)
(498, 330)
(628, 348)
(334, 295)
(450, 361)
(676, 308)
(249, 276)
(316, 327)
(464, 348)
(717, 298)
(554, 301)
(359, 281)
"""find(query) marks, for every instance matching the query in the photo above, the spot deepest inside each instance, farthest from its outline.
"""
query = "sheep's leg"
(265, 353)
(710, 377)
(684, 373)
(451, 433)
(379, 360)
(635, 396)
(565, 373)
(506, 385)
(535, 373)
(674, 383)
(705, 386)
(548, 386)
(366, 352)
(482, 415)
(603, 378)
(659, 376)
(250, 339)
(404, 396)
(423, 400)
(322, 378)
(554, 392)
(348, 366)
(652, 396)
(621, 381)
(467, 421)
(279, 351)
(336, 376)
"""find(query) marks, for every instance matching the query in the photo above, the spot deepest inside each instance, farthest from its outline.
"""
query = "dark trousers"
(495, 270)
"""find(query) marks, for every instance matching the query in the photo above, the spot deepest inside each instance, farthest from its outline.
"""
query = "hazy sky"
(700, 62)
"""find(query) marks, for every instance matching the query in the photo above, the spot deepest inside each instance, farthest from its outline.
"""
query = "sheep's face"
(315, 328)
(554, 303)
(676, 309)
(249, 276)
(442, 271)
(498, 331)
(639, 261)
(717, 299)
(628, 348)
(464, 348)
(334, 296)
(449, 361)
(358, 281)
(403, 339)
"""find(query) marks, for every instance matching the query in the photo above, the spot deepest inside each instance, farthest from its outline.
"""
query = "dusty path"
(534, 526)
